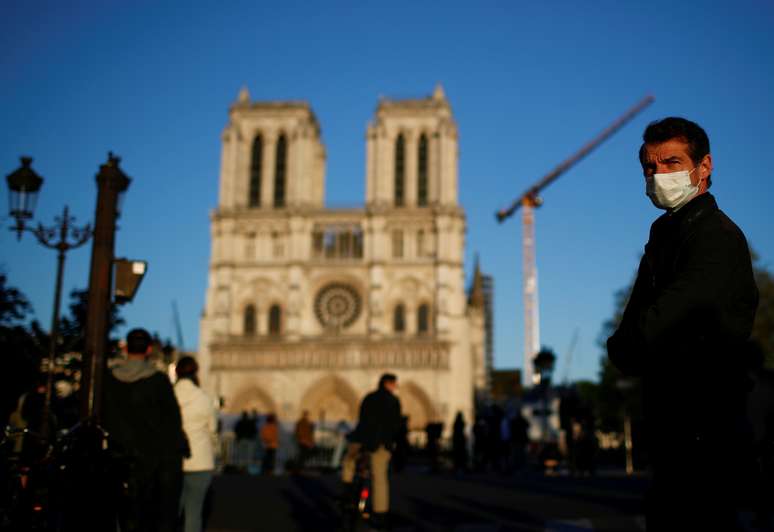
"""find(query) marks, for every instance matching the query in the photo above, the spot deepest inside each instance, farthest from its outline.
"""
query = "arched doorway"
(415, 404)
(249, 399)
(330, 399)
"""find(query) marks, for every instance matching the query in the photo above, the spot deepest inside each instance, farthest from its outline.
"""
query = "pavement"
(426, 502)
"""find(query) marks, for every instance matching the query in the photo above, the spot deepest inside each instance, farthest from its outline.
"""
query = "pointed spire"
(244, 95)
(476, 296)
(438, 93)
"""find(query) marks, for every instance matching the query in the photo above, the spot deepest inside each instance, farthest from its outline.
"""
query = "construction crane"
(178, 328)
(528, 202)
(568, 356)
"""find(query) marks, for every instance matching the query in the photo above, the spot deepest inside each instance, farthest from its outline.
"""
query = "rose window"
(337, 305)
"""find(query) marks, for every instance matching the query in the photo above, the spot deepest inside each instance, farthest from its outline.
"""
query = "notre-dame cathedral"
(307, 306)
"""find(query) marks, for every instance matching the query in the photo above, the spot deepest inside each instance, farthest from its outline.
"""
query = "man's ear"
(705, 169)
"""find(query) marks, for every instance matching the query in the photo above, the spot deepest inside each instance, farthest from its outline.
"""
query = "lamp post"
(23, 186)
(544, 368)
(111, 184)
(624, 385)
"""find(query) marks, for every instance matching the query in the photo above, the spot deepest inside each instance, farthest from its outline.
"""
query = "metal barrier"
(246, 455)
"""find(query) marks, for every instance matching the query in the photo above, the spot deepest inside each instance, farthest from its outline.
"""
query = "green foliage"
(13, 305)
(22, 347)
(72, 328)
(20, 351)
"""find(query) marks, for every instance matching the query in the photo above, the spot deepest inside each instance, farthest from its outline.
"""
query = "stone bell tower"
(272, 156)
(411, 154)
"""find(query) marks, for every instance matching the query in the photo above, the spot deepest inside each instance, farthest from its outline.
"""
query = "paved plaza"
(442, 502)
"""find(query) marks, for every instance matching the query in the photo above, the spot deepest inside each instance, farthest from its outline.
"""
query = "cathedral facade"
(307, 306)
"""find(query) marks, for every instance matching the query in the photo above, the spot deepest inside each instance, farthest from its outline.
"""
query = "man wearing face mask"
(690, 311)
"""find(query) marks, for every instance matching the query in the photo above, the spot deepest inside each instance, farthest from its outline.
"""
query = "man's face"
(673, 156)
(391, 386)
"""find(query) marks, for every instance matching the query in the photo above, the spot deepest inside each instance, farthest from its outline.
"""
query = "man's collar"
(695, 208)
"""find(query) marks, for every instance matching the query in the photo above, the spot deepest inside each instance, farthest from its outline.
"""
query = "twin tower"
(273, 156)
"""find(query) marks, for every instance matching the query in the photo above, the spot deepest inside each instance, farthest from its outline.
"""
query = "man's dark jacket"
(379, 421)
(141, 414)
(690, 311)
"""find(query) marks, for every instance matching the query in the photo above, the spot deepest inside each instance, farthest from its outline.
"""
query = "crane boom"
(550, 177)
(528, 202)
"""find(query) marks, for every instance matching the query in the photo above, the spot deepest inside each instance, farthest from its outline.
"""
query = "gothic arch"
(275, 318)
(280, 170)
(416, 404)
(250, 321)
(331, 397)
(424, 318)
(250, 398)
(423, 170)
(256, 166)
(262, 288)
(409, 290)
(399, 319)
(399, 182)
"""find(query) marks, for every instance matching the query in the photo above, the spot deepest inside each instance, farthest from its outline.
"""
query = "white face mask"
(671, 191)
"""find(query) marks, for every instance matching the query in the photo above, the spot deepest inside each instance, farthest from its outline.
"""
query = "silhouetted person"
(200, 427)
(377, 427)
(143, 420)
(519, 441)
(270, 440)
(433, 432)
(586, 447)
(402, 446)
(66, 404)
(459, 444)
(245, 432)
(494, 442)
(304, 434)
(690, 311)
(480, 443)
(342, 431)
(29, 415)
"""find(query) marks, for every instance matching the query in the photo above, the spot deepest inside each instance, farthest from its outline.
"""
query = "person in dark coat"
(519, 440)
(683, 331)
(246, 432)
(459, 444)
(378, 427)
(142, 418)
(402, 446)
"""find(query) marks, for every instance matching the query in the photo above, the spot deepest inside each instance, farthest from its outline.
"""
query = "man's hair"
(186, 368)
(387, 377)
(138, 341)
(674, 127)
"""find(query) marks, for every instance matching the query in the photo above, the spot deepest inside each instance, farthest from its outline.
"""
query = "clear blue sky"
(529, 83)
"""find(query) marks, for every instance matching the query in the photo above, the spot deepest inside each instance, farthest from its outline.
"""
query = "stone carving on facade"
(406, 356)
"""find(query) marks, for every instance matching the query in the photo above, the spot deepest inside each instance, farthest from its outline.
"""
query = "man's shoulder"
(370, 396)
(659, 226)
(719, 228)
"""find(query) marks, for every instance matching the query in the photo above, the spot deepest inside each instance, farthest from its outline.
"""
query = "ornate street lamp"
(23, 187)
